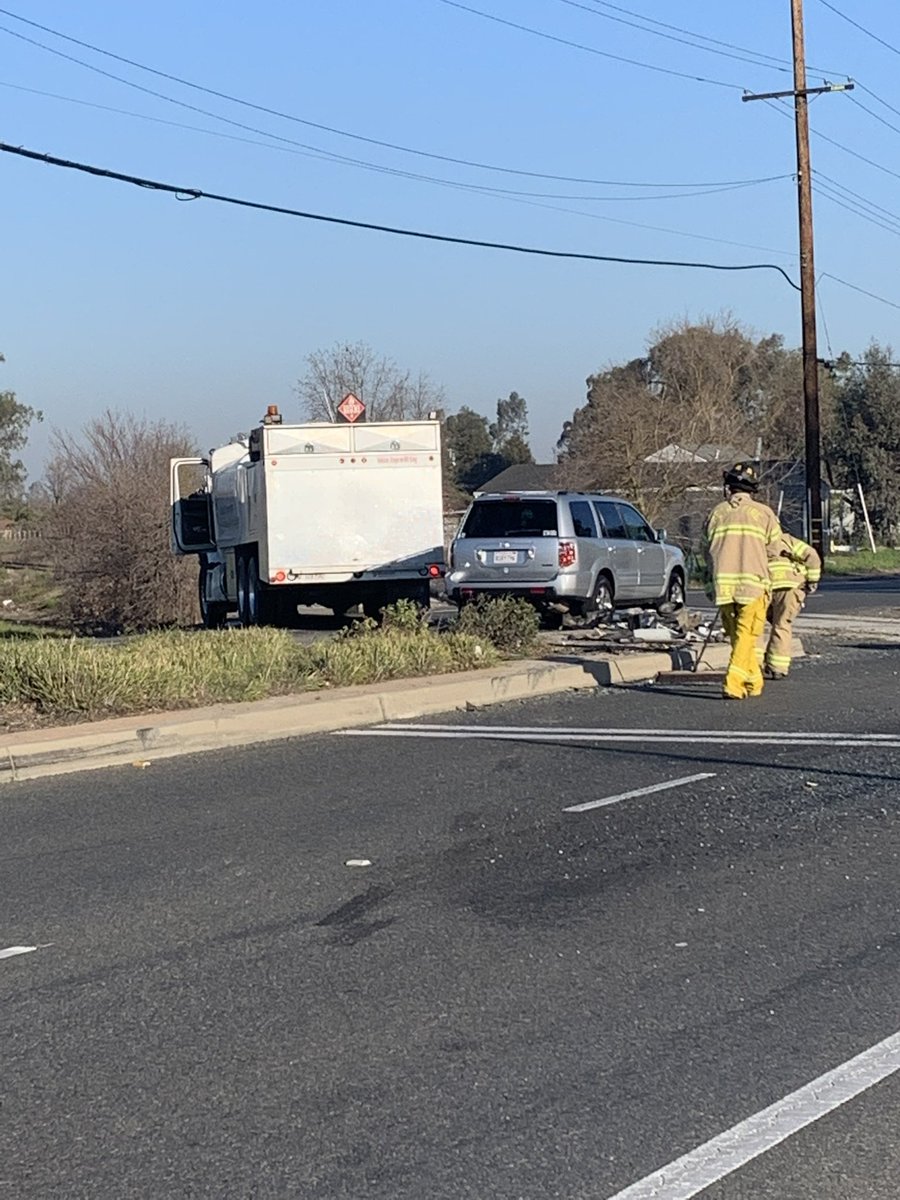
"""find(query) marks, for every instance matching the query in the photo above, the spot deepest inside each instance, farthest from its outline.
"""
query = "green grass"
(77, 677)
(885, 561)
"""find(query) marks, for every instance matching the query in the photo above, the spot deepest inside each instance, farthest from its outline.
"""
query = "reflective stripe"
(782, 661)
(754, 530)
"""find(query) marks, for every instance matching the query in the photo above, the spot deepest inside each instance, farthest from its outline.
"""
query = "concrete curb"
(142, 740)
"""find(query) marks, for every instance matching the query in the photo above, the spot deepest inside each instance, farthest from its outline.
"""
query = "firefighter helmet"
(742, 477)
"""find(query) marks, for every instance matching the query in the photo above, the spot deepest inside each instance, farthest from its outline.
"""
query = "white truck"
(338, 515)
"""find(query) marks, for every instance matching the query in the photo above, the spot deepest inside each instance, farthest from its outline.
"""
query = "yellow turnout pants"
(785, 604)
(743, 623)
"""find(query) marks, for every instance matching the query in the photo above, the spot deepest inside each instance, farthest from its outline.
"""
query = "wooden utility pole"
(807, 288)
(801, 94)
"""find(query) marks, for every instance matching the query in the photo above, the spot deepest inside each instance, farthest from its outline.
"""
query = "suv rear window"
(511, 518)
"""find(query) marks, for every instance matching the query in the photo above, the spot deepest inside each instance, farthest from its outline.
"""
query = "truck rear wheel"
(259, 604)
(240, 578)
(213, 613)
(372, 609)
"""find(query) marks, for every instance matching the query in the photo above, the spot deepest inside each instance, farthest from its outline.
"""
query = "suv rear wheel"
(601, 605)
(675, 594)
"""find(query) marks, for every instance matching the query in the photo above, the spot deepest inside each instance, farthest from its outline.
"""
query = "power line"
(778, 107)
(857, 25)
(550, 37)
(855, 154)
(833, 364)
(701, 237)
(671, 37)
(865, 108)
(856, 196)
(862, 87)
(494, 193)
(274, 112)
(862, 291)
(702, 37)
(852, 207)
(190, 193)
(363, 164)
(824, 321)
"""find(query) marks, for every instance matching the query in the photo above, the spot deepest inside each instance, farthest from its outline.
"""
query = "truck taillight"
(434, 571)
(567, 554)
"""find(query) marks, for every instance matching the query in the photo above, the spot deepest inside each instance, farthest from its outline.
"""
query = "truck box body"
(324, 510)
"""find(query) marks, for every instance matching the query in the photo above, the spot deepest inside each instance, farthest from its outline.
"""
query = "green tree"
(864, 444)
(15, 419)
(509, 433)
(647, 424)
(470, 456)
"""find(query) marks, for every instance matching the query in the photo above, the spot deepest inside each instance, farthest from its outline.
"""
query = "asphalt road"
(863, 596)
(512, 1002)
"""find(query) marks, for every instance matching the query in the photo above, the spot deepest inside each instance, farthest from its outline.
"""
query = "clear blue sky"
(120, 297)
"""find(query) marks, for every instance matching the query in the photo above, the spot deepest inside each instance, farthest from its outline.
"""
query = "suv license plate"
(506, 556)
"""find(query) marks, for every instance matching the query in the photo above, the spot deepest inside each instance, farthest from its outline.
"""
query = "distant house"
(673, 453)
(700, 471)
(524, 477)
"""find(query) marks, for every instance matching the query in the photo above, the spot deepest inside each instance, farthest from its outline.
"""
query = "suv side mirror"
(661, 535)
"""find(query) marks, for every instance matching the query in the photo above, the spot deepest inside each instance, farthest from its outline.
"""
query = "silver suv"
(585, 553)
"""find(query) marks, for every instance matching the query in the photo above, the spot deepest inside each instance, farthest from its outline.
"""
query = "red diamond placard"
(351, 409)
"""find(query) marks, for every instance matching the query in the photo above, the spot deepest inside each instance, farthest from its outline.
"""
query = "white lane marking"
(644, 791)
(12, 951)
(561, 736)
(707, 1164)
(604, 729)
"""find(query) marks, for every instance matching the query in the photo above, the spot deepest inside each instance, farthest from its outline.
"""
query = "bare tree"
(388, 393)
(108, 525)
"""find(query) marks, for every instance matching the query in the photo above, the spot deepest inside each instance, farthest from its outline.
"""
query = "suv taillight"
(567, 554)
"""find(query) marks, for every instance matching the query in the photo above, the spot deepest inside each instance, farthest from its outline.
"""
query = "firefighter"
(795, 570)
(739, 534)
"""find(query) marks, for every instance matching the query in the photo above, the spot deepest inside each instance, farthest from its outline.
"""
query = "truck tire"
(372, 609)
(254, 607)
(213, 613)
(262, 605)
(240, 582)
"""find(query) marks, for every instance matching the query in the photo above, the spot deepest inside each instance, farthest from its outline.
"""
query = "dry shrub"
(507, 622)
(108, 526)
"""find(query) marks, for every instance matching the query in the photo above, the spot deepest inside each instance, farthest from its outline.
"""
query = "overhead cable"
(862, 87)
(190, 193)
(865, 108)
(291, 146)
(784, 111)
(274, 112)
(862, 291)
(856, 25)
(702, 37)
(852, 206)
(551, 37)
(688, 40)
(856, 196)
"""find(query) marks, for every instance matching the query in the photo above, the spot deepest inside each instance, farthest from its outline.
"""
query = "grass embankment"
(80, 678)
(885, 561)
